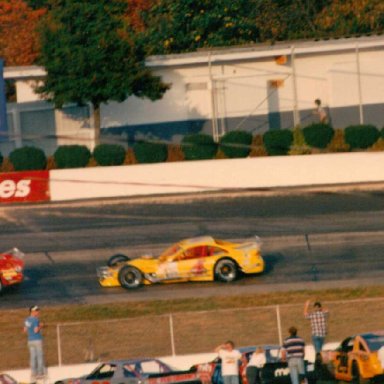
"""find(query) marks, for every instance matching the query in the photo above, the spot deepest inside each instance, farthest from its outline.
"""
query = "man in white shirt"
(230, 358)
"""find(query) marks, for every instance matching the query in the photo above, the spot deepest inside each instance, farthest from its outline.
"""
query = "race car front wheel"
(130, 277)
(226, 270)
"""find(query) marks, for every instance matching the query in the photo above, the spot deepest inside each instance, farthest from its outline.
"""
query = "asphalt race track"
(311, 239)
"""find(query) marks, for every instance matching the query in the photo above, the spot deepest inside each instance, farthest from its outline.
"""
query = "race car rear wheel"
(116, 259)
(226, 270)
(356, 378)
(1, 286)
(130, 277)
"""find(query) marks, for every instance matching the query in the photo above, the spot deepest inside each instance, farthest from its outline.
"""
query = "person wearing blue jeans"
(32, 327)
(230, 360)
(293, 353)
(319, 325)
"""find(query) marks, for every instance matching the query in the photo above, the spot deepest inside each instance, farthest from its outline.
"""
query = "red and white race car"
(11, 268)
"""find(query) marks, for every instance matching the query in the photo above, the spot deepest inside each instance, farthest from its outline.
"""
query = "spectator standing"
(293, 352)
(319, 324)
(255, 366)
(230, 358)
(32, 327)
(320, 112)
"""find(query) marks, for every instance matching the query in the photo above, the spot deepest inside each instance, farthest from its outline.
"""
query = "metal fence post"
(58, 345)
(172, 335)
(279, 324)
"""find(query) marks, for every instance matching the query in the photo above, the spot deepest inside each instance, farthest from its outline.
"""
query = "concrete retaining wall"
(209, 175)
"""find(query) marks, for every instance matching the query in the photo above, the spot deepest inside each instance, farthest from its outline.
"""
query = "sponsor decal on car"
(182, 377)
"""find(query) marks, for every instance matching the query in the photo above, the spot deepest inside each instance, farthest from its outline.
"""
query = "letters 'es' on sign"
(29, 186)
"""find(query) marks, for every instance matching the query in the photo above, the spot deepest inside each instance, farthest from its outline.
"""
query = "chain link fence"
(185, 332)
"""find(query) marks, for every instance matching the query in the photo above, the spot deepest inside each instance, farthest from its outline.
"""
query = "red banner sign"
(29, 186)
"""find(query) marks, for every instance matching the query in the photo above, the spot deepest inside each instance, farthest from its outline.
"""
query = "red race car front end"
(11, 268)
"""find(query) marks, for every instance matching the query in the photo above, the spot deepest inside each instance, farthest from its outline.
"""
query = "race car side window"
(105, 371)
(361, 347)
(195, 252)
(152, 366)
(346, 345)
(129, 370)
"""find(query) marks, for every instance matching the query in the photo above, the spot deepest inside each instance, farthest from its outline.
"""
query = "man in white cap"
(32, 327)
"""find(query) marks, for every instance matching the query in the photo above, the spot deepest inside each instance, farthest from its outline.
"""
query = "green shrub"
(382, 133)
(109, 154)
(236, 144)
(72, 156)
(1, 158)
(278, 142)
(198, 146)
(318, 135)
(299, 146)
(28, 158)
(361, 136)
(150, 152)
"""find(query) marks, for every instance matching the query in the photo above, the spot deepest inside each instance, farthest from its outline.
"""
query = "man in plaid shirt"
(319, 326)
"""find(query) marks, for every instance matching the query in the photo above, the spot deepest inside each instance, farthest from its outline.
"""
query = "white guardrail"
(192, 176)
(213, 175)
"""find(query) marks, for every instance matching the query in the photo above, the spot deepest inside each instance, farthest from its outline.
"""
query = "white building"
(254, 88)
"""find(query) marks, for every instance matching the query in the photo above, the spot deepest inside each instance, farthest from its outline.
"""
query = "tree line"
(94, 51)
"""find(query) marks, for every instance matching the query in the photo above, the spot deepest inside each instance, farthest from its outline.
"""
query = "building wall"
(258, 94)
(256, 89)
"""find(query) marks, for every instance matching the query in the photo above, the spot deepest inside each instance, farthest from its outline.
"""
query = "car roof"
(132, 361)
(198, 240)
(371, 334)
(254, 347)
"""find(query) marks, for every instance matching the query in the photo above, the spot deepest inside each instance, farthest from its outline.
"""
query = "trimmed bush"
(382, 133)
(278, 142)
(28, 158)
(150, 152)
(109, 154)
(299, 146)
(198, 146)
(318, 135)
(236, 144)
(72, 156)
(361, 136)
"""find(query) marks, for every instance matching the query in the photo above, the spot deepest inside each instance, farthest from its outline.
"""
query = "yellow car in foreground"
(197, 259)
(358, 359)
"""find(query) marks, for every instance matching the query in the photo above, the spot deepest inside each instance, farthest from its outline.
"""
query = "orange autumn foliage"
(135, 7)
(19, 42)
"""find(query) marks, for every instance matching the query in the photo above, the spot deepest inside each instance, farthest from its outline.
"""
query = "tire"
(1, 286)
(130, 277)
(116, 259)
(356, 378)
(226, 270)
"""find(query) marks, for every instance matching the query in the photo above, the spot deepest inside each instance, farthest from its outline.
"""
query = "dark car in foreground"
(275, 371)
(135, 371)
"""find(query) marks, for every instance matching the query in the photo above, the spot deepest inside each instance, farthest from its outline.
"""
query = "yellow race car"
(197, 259)
(358, 359)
